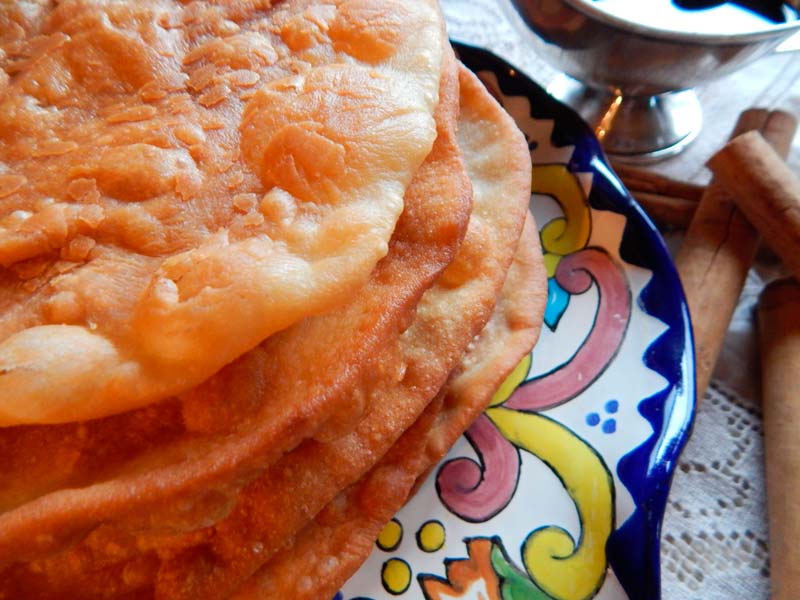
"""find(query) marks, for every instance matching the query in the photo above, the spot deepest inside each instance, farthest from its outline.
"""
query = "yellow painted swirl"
(555, 562)
(570, 233)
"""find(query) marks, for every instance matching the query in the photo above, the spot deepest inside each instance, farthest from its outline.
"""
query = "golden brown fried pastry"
(340, 537)
(508, 336)
(178, 181)
(332, 547)
(448, 317)
(179, 464)
(214, 560)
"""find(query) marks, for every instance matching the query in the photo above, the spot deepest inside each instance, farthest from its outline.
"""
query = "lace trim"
(715, 541)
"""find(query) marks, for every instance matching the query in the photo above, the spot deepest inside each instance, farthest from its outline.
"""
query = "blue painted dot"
(609, 426)
(338, 596)
(612, 406)
(592, 419)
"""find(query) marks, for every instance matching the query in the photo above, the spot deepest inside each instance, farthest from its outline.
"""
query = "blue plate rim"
(634, 548)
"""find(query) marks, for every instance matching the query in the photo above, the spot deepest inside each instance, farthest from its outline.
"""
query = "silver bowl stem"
(634, 129)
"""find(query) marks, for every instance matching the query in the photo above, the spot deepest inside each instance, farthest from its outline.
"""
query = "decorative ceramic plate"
(558, 492)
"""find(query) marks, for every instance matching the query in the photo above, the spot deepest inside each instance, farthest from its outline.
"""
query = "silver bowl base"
(634, 129)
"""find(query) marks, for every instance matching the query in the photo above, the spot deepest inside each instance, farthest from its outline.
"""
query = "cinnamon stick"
(667, 201)
(719, 248)
(765, 190)
(643, 180)
(779, 335)
(667, 210)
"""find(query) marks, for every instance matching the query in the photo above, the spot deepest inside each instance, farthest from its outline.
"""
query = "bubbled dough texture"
(177, 182)
(339, 539)
(179, 464)
(332, 546)
(271, 510)
(213, 560)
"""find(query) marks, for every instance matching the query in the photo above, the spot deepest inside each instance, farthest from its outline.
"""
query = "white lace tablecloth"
(714, 540)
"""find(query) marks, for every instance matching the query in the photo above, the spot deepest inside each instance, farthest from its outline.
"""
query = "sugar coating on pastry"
(180, 181)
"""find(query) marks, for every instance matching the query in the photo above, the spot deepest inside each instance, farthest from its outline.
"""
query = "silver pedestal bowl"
(631, 82)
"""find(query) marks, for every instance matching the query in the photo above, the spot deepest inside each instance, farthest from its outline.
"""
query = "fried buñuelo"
(216, 559)
(179, 181)
(331, 547)
(61, 481)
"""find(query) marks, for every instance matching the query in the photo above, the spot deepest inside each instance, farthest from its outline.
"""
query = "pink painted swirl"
(476, 492)
(575, 274)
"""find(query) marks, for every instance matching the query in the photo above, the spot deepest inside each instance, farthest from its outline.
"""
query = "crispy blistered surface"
(178, 181)
(331, 547)
(340, 537)
(318, 561)
(516, 321)
(403, 379)
(179, 464)
(448, 318)
(508, 336)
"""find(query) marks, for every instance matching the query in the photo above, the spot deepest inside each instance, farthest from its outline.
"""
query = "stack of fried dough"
(261, 264)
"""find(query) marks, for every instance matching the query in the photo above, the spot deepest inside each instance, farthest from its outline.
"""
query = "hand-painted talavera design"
(566, 472)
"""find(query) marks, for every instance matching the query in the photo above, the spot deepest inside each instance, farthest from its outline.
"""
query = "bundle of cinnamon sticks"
(751, 169)
(753, 197)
